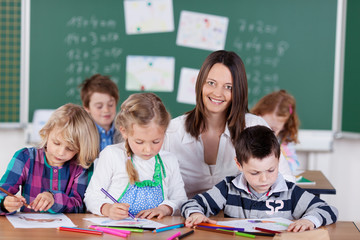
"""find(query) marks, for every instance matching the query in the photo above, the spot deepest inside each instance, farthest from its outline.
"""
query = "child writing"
(278, 109)
(145, 180)
(259, 191)
(53, 177)
(100, 96)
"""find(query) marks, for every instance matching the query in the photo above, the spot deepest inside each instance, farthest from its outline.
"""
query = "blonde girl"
(145, 181)
(53, 177)
(279, 110)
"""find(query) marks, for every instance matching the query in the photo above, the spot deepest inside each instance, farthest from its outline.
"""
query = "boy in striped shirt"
(259, 191)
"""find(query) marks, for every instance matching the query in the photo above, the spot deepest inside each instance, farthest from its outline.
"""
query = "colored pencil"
(185, 234)
(174, 236)
(170, 225)
(127, 226)
(12, 195)
(168, 228)
(101, 228)
(226, 228)
(115, 201)
(80, 230)
(111, 231)
(266, 230)
(215, 230)
(128, 229)
(211, 225)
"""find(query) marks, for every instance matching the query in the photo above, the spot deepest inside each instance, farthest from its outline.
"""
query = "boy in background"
(100, 95)
(259, 191)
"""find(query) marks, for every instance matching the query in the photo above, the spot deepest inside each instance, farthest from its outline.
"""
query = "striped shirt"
(29, 169)
(284, 199)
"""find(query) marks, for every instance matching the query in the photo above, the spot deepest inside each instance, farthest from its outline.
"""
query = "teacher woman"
(202, 139)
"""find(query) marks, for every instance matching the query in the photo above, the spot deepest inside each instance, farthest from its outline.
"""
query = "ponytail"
(130, 169)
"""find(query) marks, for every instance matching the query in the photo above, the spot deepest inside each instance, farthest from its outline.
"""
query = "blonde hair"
(141, 109)
(282, 104)
(78, 129)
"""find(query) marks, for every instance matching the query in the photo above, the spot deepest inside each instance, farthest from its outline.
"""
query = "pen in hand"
(115, 201)
(12, 195)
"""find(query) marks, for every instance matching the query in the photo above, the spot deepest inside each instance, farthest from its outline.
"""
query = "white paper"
(150, 73)
(125, 222)
(148, 16)
(39, 220)
(186, 89)
(204, 31)
(275, 224)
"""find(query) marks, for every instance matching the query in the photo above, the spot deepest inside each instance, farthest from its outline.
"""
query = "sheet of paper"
(275, 224)
(39, 220)
(204, 31)
(148, 16)
(150, 73)
(125, 222)
(186, 89)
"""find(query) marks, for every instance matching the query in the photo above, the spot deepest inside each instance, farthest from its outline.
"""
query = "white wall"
(341, 167)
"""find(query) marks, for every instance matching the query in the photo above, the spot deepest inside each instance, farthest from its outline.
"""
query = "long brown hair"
(235, 116)
(282, 104)
(141, 109)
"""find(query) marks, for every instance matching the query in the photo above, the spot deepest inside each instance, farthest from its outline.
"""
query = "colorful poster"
(148, 16)
(186, 89)
(150, 73)
(204, 31)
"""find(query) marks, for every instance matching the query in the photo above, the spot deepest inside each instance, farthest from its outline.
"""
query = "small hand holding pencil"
(13, 203)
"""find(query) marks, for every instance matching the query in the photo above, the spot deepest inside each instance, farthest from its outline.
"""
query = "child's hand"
(301, 225)
(196, 218)
(160, 212)
(43, 202)
(13, 203)
(116, 211)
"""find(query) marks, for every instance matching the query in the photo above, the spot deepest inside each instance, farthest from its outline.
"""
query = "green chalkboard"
(351, 110)
(10, 39)
(284, 44)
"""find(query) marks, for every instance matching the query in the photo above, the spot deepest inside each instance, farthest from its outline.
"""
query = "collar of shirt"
(279, 185)
(102, 131)
(190, 139)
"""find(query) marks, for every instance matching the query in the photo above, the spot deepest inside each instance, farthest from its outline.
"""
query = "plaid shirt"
(29, 170)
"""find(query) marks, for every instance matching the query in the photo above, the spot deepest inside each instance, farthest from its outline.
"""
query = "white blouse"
(199, 176)
(110, 174)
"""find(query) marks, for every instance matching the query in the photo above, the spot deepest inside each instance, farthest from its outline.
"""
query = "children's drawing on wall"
(150, 73)
(186, 89)
(204, 31)
(148, 16)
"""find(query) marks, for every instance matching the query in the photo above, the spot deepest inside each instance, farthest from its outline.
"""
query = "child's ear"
(238, 164)
(123, 132)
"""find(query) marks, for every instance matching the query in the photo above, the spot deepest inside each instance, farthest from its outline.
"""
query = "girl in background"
(278, 109)
(144, 180)
(54, 177)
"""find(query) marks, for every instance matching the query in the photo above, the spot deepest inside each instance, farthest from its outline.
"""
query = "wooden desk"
(321, 186)
(337, 231)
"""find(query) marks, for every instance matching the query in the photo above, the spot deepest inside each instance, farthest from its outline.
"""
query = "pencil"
(12, 195)
(111, 231)
(115, 201)
(185, 234)
(129, 229)
(170, 225)
(127, 232)
(168, 228)
(226, 228)
(211, 225)
(215, 230)
(80, 230)
(174, 236)
(266, 230)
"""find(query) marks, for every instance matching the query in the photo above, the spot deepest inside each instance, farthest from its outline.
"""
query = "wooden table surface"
(322, 184)
(337, 231)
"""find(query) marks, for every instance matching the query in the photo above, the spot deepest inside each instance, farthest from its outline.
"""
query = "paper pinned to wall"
(39, 220)
(148, 16)
(204, 31)
(150, 73)
(186, 89)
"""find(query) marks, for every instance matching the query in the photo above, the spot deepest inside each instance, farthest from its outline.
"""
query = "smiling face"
(102, 108)
(58, 151)
(217, 89)
(261, 174)
(145, 141)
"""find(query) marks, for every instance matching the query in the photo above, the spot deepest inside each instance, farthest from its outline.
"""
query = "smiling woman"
(202, 139)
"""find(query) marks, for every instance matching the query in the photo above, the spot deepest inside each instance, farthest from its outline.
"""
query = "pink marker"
(117, 232)
(174, 236)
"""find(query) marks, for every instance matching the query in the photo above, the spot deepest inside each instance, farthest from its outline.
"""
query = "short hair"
(141, 109)
(256, 142)
(78, 130)
(97, 83)
(235, 115)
